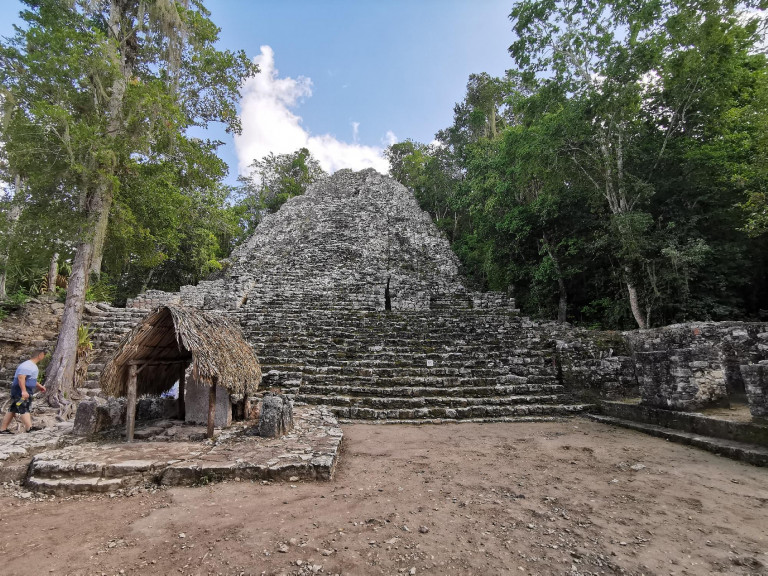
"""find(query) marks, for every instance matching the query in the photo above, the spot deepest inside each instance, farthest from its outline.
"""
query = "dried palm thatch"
(171, 338)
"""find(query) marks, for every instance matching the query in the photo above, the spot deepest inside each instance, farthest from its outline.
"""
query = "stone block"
(85, 418)
(276, 416)
(756, 385)
(156, 408)
(96, 415)
(196, 405)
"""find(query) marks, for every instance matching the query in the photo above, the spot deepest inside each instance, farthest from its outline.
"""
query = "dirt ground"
(574, 497)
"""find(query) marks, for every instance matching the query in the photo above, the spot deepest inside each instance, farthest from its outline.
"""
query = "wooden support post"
(211, 408)
(130, 415)
(182, 407)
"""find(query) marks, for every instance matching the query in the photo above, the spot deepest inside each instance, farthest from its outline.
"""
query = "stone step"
(409, 377)
(405, 402)
(403, 371)
(390, 332)
(374, 362)
(480, 411)
(375, 382)
(431, 349)
(402, 353)
(750, 453)
(464, 391)
(433, 421)
(74, 485)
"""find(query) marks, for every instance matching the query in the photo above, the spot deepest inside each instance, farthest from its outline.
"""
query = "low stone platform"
(310, 452)
(17, 450)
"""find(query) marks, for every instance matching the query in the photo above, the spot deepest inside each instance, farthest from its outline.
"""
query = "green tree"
(274, 179)
(171, 222)
(635, 76)
(106, 84)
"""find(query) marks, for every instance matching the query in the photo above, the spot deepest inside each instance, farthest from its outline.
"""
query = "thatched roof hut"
(155, 354)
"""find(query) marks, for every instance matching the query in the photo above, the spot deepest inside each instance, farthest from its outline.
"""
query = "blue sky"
(344, 77)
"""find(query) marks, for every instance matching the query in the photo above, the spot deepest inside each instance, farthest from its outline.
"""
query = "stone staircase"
(447, 363)
(442, 364)
(109, 325)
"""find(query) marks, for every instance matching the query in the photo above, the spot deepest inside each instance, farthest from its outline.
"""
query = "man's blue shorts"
(20, 406)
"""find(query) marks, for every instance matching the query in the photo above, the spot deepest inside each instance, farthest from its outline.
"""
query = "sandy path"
(551, 498)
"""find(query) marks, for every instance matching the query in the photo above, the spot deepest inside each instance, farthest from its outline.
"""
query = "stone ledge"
(747, 432)
(750, 453)
(17, 450)
(428, 421)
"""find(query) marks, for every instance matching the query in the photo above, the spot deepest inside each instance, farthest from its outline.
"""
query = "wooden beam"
(182, 386)
(144, 363)
(130, 415)
(211, 408)
(158, 361)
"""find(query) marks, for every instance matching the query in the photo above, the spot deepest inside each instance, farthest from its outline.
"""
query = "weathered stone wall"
(756, 383)
(695, 365)
(153, 298)
(749, 432)
(595, 364)
(96, 415)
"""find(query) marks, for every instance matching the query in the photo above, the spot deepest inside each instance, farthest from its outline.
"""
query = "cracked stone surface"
(17, 450)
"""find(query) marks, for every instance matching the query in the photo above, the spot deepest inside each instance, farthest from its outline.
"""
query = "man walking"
(24, 384)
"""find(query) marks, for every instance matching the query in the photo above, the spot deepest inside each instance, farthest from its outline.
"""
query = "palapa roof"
(172, 337)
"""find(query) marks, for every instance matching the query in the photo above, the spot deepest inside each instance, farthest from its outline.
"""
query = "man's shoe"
(35, 429)
(5, 432)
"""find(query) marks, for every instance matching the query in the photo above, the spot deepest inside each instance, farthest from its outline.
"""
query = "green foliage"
(273, 180)
(84, 339)
(15, 300)
(103, 290)
(97, 118)
(624, 155)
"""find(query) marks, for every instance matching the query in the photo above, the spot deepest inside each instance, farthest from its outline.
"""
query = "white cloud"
(270, 125)
(389, 138)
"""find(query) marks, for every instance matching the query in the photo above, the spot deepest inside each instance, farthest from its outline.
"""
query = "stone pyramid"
(341, 243)
(308, 289)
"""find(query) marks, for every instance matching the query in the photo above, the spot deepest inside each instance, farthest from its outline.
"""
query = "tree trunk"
(62, 366)
(634, 303)
(13, 217)
(61, 370)
(100, 233)
(103, 195)
(562, 305)
(53, 273)
(130, 413)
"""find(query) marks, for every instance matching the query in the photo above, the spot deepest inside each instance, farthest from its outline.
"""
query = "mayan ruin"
(383, 288)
